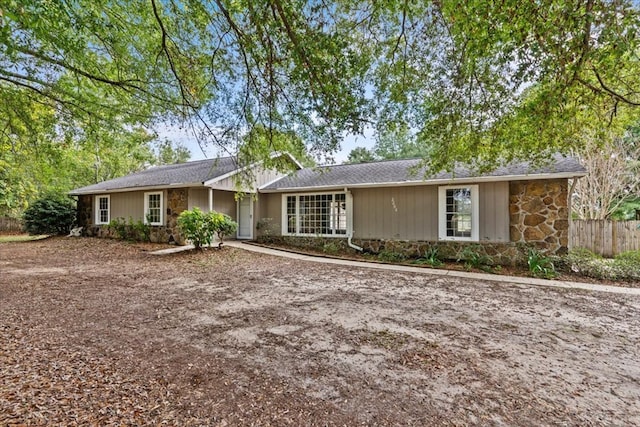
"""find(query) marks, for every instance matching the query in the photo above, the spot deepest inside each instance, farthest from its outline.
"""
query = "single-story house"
(159, 194)
(385, 205)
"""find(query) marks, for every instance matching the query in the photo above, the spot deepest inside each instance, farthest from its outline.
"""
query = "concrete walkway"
(421, 270)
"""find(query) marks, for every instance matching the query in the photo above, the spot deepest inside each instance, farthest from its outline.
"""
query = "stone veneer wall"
(84, 216)
(539, 214)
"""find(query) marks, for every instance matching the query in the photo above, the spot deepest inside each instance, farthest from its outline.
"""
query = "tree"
(476, 81)
(395, 141)
(168, 153)
(613, 175)
(360, 155)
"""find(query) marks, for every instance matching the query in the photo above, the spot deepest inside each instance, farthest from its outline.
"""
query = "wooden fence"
(604, 237)
(11, 225)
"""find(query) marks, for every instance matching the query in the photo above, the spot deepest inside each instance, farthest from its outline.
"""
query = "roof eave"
(130, 189)
(441, 181)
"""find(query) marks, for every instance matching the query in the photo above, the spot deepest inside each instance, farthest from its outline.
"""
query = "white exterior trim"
(442, 216)
(133, 189)
(250, 236)
(285, 225)
(441, 181)
(97, 209)
(146, 207)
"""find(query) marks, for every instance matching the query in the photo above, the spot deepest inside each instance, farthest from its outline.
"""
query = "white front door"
(245, 218)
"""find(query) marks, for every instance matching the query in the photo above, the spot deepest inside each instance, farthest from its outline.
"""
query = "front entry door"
(245, 218)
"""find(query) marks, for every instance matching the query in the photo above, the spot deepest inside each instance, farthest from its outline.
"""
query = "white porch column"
(210, 199)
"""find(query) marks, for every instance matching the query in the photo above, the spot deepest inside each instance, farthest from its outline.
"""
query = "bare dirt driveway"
(97, 332)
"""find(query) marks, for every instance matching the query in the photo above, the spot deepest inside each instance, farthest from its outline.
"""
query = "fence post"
(614, 238)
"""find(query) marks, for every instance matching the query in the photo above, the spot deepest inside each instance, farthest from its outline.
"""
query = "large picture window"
(316, 214)
(153, 208)
(458, 213)
(103, 215)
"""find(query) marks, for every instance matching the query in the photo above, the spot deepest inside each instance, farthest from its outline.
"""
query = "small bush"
(473, 258)
(391, 256)
(119, 227)
(540, 265)
(200, 227)
(431, 257)
(197, 227)
(330, 248)
(51, 214)
(133, 230)
(223, 225)
(625, 266)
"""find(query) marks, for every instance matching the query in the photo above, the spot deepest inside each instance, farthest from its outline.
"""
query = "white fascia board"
(443, 181)
(130, 189)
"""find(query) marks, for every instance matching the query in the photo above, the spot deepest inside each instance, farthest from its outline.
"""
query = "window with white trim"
(153, 208)
(103, 209)
(458, 208)
(315, 214)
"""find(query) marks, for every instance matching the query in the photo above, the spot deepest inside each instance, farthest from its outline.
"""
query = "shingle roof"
(157, 176)
(402, 172)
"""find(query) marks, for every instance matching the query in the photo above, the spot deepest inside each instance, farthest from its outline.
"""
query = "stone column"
(539, 214)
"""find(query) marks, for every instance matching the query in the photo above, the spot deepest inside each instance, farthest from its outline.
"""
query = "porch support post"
(210, 199)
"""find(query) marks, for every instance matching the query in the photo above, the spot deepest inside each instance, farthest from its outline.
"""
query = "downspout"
(350, 221)
(570, 209)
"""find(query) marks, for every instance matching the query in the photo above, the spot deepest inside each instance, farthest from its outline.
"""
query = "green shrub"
(625, 266)
(223, 225)
(473, 258)
(132, 230)
(200, 227)
(51, 214)
(540, 265)
(119, 227)
(197, 227)
(330, 248)
(141, 230)
(430, 257)
(391, 256)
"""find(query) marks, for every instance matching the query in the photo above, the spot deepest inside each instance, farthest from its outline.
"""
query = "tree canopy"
(474, 81)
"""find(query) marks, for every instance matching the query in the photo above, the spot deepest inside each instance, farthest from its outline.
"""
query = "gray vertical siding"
(129, 205)
(199, 198)
(225, 202)
(494, 211)
(408, 213)
(269, 207)
(403, 213)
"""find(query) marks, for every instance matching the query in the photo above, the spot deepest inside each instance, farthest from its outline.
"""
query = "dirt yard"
(101, 332)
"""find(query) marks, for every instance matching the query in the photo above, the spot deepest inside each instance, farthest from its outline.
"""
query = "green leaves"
(475, 81)
(200, 228)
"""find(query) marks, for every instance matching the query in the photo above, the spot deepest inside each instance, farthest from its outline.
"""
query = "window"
(458, 213)
(102, 209)
(316, 214)
(153, 208)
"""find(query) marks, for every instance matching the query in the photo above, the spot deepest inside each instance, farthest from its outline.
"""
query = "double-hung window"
(103, 209)
(458, 212)
(153, 208)
(315, 214)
